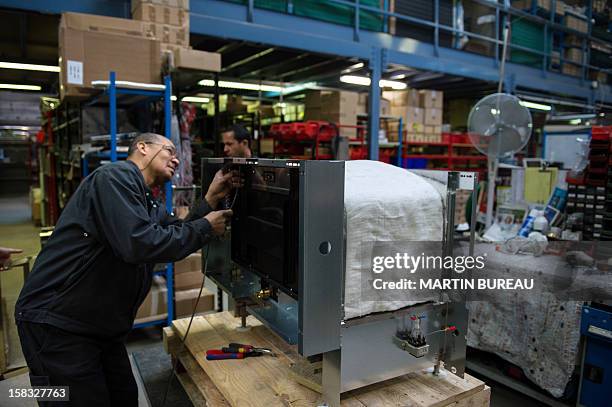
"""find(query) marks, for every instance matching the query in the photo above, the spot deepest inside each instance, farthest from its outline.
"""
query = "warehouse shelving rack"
(448, 159)
(282, 26)
(112, 95)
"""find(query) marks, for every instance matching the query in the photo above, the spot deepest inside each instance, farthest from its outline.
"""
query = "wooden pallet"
(270, 381)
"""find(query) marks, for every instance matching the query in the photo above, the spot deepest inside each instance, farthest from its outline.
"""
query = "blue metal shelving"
(110, 95)
(248, 22)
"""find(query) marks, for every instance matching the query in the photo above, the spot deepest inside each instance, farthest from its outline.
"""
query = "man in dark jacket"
(79, 302)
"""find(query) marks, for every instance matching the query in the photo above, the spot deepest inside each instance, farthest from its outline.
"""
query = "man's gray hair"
(144, 138)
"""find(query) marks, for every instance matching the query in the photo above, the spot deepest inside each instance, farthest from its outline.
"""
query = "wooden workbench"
(267, 381)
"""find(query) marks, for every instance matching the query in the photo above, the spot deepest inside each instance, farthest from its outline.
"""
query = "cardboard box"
(193, 262)
(335, 101)
(266, 146)
(201, 60)
(544, 4)
(101, 24)
(338, 107)
(574, 54)
(188, 280)
(168, 34)
(572, 70)
(385, 107)
(432, 129)
(362, 104)
(575, 22)
(409, 114)
(86, 56)
(414, 128)
(184, 301)
(155, 13)
(182, 4)
(430, 99)
(433, 117)
(35, 204)
(155, 305)
(408, 97)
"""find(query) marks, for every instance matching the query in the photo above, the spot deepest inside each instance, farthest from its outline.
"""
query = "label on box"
(74, 74)
(466, 181)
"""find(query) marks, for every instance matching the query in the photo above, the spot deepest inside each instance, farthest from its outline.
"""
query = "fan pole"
(491, 189)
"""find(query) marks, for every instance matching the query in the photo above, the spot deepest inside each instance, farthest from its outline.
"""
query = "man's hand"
(218, 220)
(221, 185)
(5, 256)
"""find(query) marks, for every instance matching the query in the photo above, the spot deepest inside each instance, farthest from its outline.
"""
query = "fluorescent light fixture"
(355, 80)
(241, 85)
(129, 84)
(352, 68)
(29, 67)
(398, 76)
(365, 81)
(173, 98)
(296, 88)
(575, 121)
(583, 116)
(19, 87)
(537, 106)
(195, 99)
(384, 83)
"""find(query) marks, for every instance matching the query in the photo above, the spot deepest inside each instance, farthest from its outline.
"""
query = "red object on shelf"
(460, 138)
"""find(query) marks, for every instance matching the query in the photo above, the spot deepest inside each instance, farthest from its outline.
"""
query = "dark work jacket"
(96, 269)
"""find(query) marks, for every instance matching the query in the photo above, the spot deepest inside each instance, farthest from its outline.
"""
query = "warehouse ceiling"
(30, 37)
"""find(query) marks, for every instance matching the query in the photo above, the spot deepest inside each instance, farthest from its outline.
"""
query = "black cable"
(195, 307)
(151, 160)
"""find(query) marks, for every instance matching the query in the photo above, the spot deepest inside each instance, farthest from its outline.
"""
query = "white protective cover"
(384, 203)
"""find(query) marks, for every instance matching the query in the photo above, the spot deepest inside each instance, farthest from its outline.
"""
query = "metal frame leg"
(332, 379)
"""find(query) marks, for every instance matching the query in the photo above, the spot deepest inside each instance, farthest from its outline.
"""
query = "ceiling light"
(29, 67)
(355, 80)
(398, 76)
(19, 87)
(532, 105)
(354, 67)
(583, 116)
(365, 81)
(384, 83)
(173, 98)
(575, 121)
(195, 99)
(241, 85)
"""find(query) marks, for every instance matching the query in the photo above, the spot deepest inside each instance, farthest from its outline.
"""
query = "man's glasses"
(166, 147)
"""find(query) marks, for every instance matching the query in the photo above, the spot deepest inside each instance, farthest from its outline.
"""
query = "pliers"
(236, 351)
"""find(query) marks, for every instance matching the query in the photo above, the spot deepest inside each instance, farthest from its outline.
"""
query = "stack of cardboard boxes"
(91, 46)
(421, 112)
(168, 22)
(338, 107)
(187, 282)
(155, 305)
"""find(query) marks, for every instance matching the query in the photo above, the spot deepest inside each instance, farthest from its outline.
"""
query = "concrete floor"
(16, 230)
